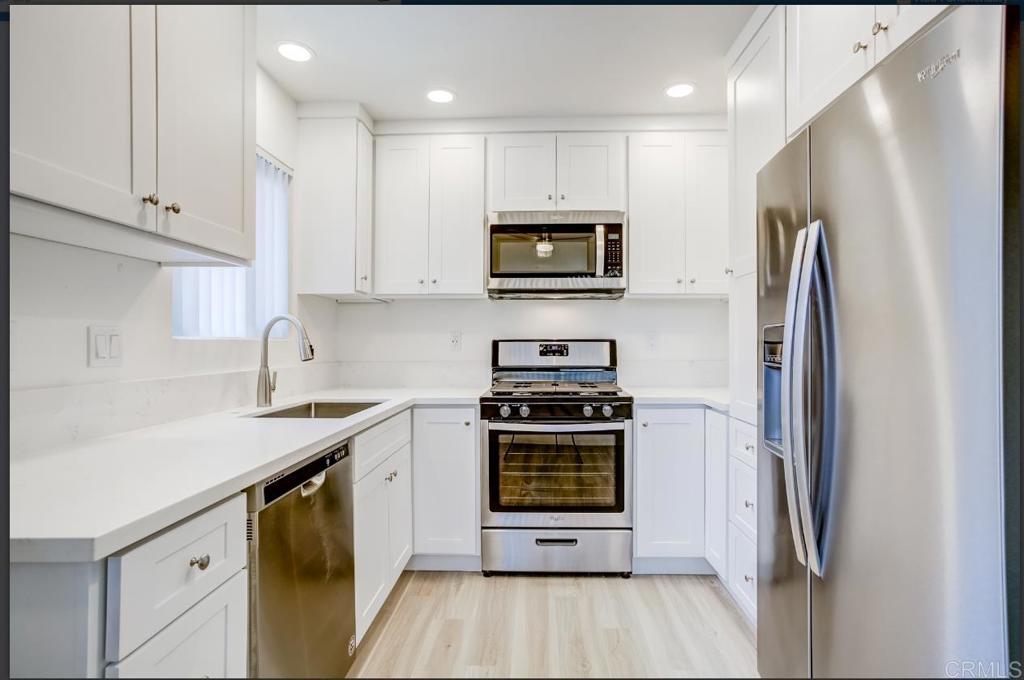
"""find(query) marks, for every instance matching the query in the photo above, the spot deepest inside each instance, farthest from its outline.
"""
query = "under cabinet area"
(114, 133)
(678, 213)
(446, 481)
(669, 465)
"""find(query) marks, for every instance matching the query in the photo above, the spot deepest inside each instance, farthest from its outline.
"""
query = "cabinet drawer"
(151, 584)
(743, 497)
(743, 570)
(743, 441)
(207, 641)
(370, 448)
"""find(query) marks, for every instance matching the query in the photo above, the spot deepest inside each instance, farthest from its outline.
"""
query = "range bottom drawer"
(533, 550)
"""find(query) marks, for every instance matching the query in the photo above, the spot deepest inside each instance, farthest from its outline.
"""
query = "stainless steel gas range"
(557, 459)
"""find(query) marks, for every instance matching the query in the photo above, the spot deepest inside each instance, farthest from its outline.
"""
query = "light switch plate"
(102, 340)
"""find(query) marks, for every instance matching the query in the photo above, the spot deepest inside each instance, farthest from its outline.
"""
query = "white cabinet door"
(446, 490)
(743, 571)
(669, 482)
(210, 640)
(399, 513)
(522, 172)
(591, 171)
(206, 132)
(743, 334)
(401, 211)
(83, 109)
(897, 23)
(756, 101)
(716, 455)
(707, 213)
(364, 209)
(828, 47)
(457, 214)
(370, 520)
(657, 212)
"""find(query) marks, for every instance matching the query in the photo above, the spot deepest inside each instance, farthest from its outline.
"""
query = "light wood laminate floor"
(460, 624)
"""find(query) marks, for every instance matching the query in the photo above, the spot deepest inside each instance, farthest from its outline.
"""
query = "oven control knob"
(606, 411)
(588, 410)
(505, 411)
(524, 410)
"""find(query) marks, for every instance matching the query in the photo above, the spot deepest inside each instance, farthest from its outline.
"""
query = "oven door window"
(543, 251)
(540, 471)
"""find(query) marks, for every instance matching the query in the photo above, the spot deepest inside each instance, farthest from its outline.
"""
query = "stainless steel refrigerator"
(889, 393)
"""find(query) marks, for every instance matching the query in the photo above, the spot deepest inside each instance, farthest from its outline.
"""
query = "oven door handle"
(556, 427)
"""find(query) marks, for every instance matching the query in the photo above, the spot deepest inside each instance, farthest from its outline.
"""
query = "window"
(236, 302)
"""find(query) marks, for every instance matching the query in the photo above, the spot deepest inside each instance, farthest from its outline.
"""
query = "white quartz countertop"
(85, 501)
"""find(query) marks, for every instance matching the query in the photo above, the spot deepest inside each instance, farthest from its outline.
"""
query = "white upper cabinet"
(895, 24)
(446, 487)
(707, 213)
(657, 212)
(678, 213)
(402, 214)
(141, 116)
(456, 248)
(206, 132)
(591, 171)
(332, 225)
(364, 210)
(83, 120)
(669, 482)
(756, 101)
(828, 48)
(565, 171)
(522, 172)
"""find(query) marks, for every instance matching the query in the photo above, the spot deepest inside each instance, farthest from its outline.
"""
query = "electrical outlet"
(106, 346)
(652, 342)
(455, 341)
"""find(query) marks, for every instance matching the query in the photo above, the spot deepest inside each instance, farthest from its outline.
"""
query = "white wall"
(406, 342)
(57, 291)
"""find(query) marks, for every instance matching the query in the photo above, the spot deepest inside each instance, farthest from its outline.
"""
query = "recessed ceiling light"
(680, 90)
(440, 96)
(294, 51)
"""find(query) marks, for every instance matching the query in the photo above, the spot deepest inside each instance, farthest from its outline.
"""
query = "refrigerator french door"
(887, 457)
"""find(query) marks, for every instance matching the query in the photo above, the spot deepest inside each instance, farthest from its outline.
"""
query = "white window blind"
(236, 302)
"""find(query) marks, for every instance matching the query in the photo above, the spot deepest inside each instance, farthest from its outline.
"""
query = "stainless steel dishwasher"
(302, 613)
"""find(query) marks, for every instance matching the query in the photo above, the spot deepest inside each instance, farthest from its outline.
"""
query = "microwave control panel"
(613, 250)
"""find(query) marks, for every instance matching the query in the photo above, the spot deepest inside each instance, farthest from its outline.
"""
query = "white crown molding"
(746, 34)
(339, 109)
(635, 123)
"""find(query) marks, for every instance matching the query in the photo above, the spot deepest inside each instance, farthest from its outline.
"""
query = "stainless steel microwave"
(556, 255)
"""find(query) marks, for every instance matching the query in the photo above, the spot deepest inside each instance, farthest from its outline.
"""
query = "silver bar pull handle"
(313, 485)
(553, 542)
(786, 397)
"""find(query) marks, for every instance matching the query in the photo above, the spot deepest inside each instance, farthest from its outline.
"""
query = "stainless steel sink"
(320, 409)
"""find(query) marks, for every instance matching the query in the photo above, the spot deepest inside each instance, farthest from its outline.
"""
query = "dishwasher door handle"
(313, 485)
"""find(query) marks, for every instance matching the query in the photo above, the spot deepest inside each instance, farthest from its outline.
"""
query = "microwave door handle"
(599, 256)
(786, 400)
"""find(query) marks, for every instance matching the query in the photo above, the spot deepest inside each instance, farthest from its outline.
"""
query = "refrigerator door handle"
(786, 400)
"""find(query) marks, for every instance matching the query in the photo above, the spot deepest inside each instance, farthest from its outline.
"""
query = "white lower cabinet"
(669, 463)
(446, 485)
(742, 515)
(210, 640)
(743, 572)
(716, 458)
(382, 518)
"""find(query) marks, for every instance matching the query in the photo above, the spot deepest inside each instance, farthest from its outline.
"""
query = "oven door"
(557, 475)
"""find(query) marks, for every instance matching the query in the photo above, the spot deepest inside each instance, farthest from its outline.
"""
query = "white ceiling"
(528, 60)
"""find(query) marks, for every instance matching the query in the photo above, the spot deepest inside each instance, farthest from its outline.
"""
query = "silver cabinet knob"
(588, 410)
(364, 277)
(173, 207)
(466, 423)
(606, 411)
(562, 197)
(748, 504)
(152, 199)
(879, 27)
(748, 446)
(644, 423)
(433, 280)
(394, 474)
(858, 46)
(421, 282)
(679, 280)
(693, 280)
(748, 579)
(728, 270)
(200, 562)
(549, 197)
(524, 410)
(505, 411)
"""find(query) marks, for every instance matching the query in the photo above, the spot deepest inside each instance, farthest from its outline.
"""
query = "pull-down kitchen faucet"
(265, 387)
